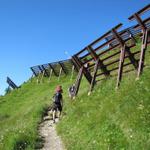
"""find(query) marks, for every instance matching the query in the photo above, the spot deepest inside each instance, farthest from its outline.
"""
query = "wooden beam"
(78, 81)
(100, 63)
(140, 12)
(131, 35)
(55, 73)
(72, 63)
(11, 83)
(33, 71)
(120, 69)
(127, 49)
(94, 76)
(146, 33)
(40, 69)
(76, 63)
(140, 22)
(62, 66)
(45, 70)
(86, 73)
(131, 57)
(142, 55)
(110, 44)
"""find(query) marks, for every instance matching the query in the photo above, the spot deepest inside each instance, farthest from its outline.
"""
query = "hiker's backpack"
(57, 98)
(72, 89)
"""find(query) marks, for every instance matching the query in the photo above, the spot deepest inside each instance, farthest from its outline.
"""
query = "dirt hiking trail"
(47, 130)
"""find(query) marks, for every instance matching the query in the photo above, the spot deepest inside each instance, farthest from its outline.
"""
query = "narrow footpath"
(47, 130)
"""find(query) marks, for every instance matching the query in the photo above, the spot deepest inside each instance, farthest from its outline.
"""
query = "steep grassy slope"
(21, 111)
(110, 119)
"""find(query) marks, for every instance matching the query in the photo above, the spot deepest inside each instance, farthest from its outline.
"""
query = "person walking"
(57, 102)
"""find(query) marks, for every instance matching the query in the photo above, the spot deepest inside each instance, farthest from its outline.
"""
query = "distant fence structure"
(110, 55)
(64, 66)
(11, 83)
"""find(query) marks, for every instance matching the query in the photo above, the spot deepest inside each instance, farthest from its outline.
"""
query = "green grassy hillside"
(108, 119)
(21, 111)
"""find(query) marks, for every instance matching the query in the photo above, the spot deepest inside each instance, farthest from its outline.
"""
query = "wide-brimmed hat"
(59, 88)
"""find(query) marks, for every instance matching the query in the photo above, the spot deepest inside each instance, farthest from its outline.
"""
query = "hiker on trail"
(57, 102)
(71, 91)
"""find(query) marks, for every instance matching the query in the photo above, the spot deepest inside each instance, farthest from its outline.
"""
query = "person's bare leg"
(59, 114)
(54, 114)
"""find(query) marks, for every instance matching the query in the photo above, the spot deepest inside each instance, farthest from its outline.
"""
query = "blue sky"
(39, 31)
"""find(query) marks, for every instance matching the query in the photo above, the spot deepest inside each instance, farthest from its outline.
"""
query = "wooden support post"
(144, 43)
(78, 81)
(122, 55)
(120, 69)
(11, 83)
(72, 62)
(33, 71)
(86, 73)
(38, 78)
(60, 71)
(40, 69)
(145, 32)
(100, 63)
(55, 73)
(63, 68)
(42, 76)
(72, 71)
(75, 63)
(124, 49)
(132, 59)
(142, 55)
(94, 77)
(50, 75)
(45, 70)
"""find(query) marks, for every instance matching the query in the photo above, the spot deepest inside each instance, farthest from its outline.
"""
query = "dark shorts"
(57, 107)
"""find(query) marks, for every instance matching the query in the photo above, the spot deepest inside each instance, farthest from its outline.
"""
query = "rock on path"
(48, 131)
